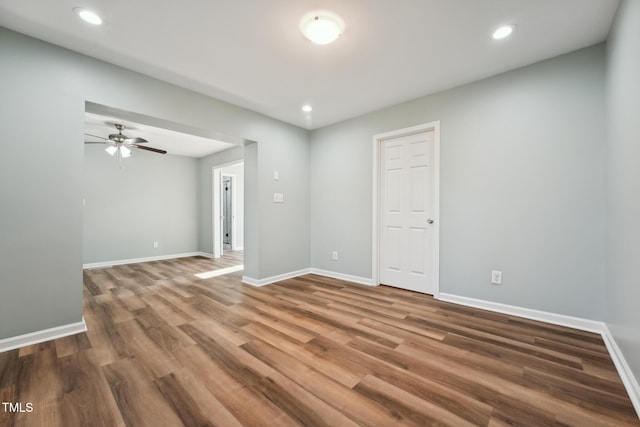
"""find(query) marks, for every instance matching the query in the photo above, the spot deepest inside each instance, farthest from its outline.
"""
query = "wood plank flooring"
(166, 348)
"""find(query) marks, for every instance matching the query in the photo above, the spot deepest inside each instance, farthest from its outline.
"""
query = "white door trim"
(216, 182)
(375, 232)
(233, 209)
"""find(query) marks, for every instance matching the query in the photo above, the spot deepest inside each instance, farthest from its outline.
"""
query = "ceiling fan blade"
(155, 150)
(96, 142)
(135, 140)
(96, 136)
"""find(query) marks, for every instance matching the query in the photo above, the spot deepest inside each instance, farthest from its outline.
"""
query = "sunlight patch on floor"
(219, 272)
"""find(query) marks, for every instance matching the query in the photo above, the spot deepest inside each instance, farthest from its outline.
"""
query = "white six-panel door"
(407, 209)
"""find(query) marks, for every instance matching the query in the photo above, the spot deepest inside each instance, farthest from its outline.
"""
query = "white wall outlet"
(156, 245)
(278, 198)
(334, 255)
(496, 277)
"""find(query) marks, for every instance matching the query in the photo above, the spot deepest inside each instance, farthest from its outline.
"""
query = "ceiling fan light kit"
(122, 151)
(120, 145)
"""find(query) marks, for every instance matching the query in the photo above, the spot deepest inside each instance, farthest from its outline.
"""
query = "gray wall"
(40, 190)
(152, 198)
(522, 185)
(44, 89)
(282, 224)
(623, 182)
(251, 212)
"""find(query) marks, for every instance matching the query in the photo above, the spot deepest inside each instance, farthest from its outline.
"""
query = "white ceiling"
(180, 144)
(251, 52)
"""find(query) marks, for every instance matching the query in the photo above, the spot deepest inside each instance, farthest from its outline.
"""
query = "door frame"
(377, 199)
(233, 209)
(216, 208)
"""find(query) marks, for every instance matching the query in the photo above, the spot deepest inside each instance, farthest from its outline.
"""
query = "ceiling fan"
(121, 145)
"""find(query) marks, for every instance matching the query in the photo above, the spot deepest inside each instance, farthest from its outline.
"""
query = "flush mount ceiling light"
(307, 108)
(88, 16)
(321, 27)
(503, 32)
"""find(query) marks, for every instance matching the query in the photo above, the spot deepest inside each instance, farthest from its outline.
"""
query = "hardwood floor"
(166, 348)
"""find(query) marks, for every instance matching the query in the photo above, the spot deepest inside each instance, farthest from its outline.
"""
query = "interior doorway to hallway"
(228, 208)
(228, 214)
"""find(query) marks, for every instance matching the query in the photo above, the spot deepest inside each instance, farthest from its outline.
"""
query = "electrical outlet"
(334, 255)
(496, 277)
(156, 245)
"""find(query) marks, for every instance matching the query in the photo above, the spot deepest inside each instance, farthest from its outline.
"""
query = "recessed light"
(307, 108)
(88, 16)
(504, 31)
(321, 27)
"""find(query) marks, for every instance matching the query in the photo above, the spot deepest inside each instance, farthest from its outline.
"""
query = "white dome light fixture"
(307, 108)
(88, 16)
(503, 32)
(321, 27)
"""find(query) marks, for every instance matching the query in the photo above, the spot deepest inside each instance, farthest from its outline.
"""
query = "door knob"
(430, 221)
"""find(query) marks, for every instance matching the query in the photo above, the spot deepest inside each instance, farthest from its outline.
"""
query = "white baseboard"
(527, 313)
(203, 254)
(268, 280)
(41, 336)
(629, 381)
(104, 264)
(253, 282)
(342, 276)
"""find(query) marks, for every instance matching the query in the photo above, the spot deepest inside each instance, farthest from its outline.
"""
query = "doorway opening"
(227, 212)
(164, 222)
(228, 208)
